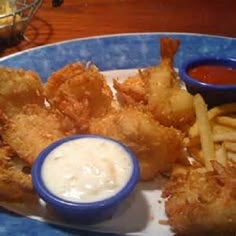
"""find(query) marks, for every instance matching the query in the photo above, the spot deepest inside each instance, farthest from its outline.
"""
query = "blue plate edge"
(112, 36)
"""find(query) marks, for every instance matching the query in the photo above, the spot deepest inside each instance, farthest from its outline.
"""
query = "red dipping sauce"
(214, 74)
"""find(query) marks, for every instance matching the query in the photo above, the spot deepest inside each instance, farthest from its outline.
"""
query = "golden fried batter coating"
(157, 147)
(18, 88)
(57, 78)
(80, 94)
(131, 91)
(159, 88)
(201, 202)
(15, 185)
(169, 103)
(33, 129)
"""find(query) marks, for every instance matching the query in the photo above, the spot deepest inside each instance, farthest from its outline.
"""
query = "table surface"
(84, 18)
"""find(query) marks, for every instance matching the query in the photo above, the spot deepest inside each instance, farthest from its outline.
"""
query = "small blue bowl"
(83, 213)
(213, 94)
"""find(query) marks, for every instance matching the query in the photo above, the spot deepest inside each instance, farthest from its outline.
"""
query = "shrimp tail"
(168, 49)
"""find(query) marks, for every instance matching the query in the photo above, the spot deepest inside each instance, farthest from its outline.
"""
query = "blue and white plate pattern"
(113, 52)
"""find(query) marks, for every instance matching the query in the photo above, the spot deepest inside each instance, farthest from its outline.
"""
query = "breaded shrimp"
(168, 102)
(159, 89)
(33, 129)
(131, 91)
(157, 147)
(58, 77)
(18, 88)
(80, 94)
(201, 202)
(15, 185)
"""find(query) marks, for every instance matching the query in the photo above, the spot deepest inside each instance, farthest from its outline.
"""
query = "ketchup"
(214, 74)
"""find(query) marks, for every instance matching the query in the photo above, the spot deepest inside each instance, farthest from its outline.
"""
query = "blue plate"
(107, 52)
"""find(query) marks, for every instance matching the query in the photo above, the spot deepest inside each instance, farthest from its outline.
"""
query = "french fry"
(222, 110)
(221, 156)
(230, 146)
(193, 131)
(231, 156)
(216, 111)
(226, 120)
(205, 133)
(225, 136)
(216, 132)
(218, 128)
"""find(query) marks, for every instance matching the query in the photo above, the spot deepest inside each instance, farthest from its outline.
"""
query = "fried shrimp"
(168, 102)
(131, 91)
(15, 185)
(58, 77)
(81, 94)
(157, 147)
(18, 88)
(201, 202)
(33, 129)
(159, 88)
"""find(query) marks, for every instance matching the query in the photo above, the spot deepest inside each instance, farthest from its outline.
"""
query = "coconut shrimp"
(19, 87)
(158, 89)
(79, 92)
(131, 91)
(201, 202)
(168, 102)
(156, 147)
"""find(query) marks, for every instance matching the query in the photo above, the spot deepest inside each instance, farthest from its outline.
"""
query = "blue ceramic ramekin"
(213, 94)
(83, 213)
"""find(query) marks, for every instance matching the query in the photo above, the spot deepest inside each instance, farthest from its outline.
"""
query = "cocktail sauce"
(214, 74)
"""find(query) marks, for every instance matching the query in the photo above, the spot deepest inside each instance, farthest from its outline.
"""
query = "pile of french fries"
(213, 136)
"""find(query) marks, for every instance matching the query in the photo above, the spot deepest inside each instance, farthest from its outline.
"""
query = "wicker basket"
(15, 16)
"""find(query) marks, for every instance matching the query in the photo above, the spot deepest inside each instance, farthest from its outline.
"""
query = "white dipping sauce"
(87, 169)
